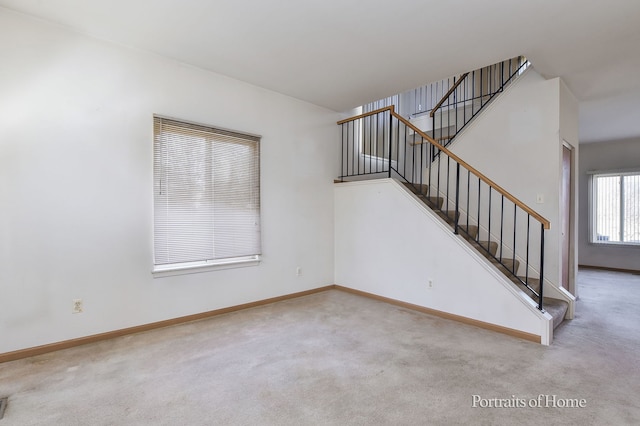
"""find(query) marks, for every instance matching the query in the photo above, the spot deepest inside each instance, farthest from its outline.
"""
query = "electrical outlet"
(298, 271)
(78, 307)
(430, 283)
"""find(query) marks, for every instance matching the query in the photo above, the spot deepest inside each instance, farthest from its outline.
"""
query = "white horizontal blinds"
(206, 193)
(236, 198)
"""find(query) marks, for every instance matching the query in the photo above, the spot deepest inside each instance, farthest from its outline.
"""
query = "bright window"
(206, 196)
(616, 208)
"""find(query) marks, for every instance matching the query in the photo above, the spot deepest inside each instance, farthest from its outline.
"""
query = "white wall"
(516, 143)
(76, 185)
(614, 155)
(388, 243)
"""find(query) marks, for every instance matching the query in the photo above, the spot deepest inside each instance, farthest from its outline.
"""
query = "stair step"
(507, 264)
(556, 308)
(534, 283)
(422, 191)
(417, 188)
(492, 245)
(472, 231)
(451, 214)
(436, 201)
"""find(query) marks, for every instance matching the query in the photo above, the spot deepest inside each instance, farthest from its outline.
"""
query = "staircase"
(507, 232)
(509, 267)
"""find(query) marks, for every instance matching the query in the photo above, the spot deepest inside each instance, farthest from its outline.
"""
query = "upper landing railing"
(469, 94)
(443, 108)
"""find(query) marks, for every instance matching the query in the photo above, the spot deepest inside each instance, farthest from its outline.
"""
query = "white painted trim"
(173, 269)
(614, 172)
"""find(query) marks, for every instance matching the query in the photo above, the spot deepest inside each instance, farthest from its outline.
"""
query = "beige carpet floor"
(338, 359)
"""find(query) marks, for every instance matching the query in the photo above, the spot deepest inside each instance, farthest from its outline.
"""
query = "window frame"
(592, 193)
(179, 268)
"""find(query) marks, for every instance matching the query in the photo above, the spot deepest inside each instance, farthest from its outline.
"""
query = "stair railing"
(469, 94)
(382, 143)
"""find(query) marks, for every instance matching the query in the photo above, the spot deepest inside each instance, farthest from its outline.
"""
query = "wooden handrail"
(366, 114)
(439, 139)
(545, 223)
(446, 96)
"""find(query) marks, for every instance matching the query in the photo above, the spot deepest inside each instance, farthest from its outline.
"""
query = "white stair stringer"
(551, 290)
(389, 243)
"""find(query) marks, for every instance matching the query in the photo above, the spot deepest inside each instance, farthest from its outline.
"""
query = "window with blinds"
(206, 196)
(615, 215)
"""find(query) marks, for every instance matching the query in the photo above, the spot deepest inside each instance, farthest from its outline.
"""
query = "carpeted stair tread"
(491, 245)
(534, 283)
(422, 191)
(450, 215)
(556, 308)
(417, 188)
(481, 246)
(507, 264)
(436, 201)
(472, 231)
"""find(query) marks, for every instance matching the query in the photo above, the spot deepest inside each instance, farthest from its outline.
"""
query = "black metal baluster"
(422, 142)
(540, 297)
(438, 181)
(515, 216)
(342, 159)
(378, 155)
(361, 142)
(413, 160)
(489, 223)
(455, 230)
(390, 139)
(429, 166)
(353, 147)
(448, 169)
(371, 131)
(491, 72)
(473, 93)
(406, 136)
(455, 106)
(468, 191)
(501, 227)
(481, 91)
(398, 148)
(478, 234)
(464, 104)
(526, 272)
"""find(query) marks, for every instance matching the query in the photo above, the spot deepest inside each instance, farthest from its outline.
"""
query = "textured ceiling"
(340, 54)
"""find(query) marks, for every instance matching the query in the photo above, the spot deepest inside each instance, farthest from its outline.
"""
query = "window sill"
(614, 244)
(160, 271)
